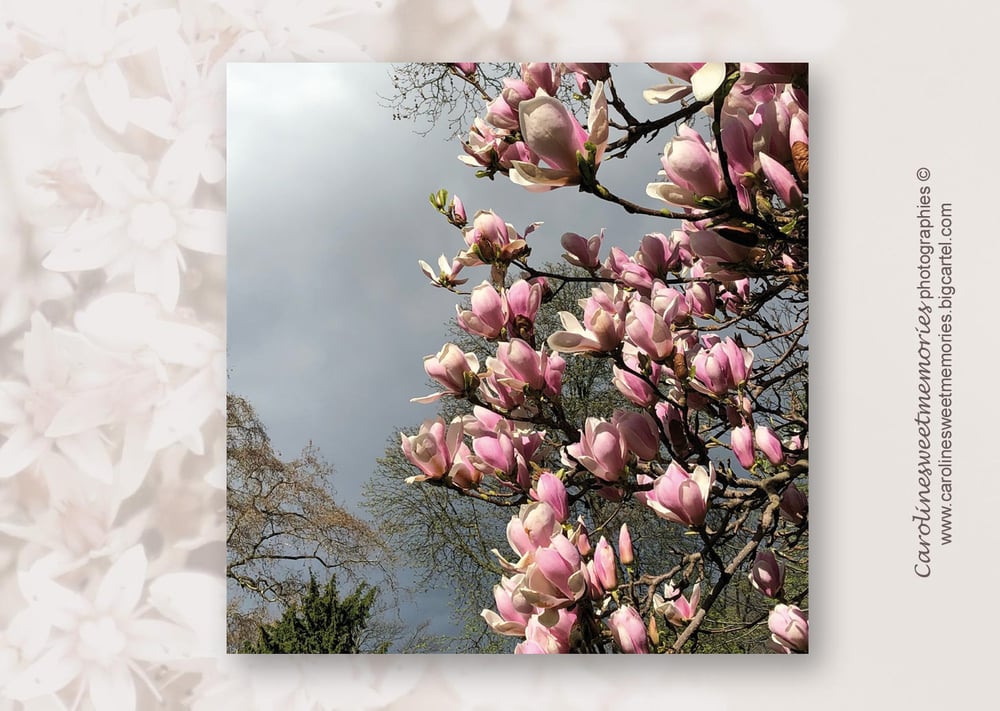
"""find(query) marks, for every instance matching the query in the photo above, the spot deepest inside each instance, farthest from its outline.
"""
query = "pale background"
(140, 432)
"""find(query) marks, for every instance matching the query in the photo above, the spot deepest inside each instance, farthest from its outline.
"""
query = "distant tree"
(283, 520)
(321, 623)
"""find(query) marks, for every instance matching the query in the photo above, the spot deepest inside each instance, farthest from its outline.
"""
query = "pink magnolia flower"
(603, 325)
(629, 630)
(434, 449)
(625, 550)
(642, 437)
(711, 370)
(767, 575)
(517, 365)
(669, 303)
(490, 239)
(522, 300)
(447, 273)
(557, 577)
(513, 616)
(635, 388)
(488, 316)
(552, 491)
(674, 606)
(553, 638)
(582, 252)
(467, 68)
(789, 627)
(552, 133)
(741, 442)
(541, 76)
(700, 295)
(602, 449)
(605, 568)
(660, 254)
(693, 171)
(536, 524)
(769, 444)
(782, 181)
(649, 331)
(454, 369)
(794, 504)
(680, 496)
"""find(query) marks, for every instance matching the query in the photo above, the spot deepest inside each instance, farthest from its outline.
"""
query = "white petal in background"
(112, 344)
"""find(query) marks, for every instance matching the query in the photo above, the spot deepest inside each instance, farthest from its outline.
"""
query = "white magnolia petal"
(121, 587)
(180, 167)
(251, 47)
(180, 73)
(665, 93)
(213, 165)
(12, 396)
(537, 179)
(62, 607)
(191, 599)
(706, 80)
(319, 45)
(48, 76)
(111, 687)
(162, 641)
(144, 32)
(133, 465)
(52, 671)
(157, 273)
(183, 344)
(104, 170)
(80, 414)
(88, 452)
(154, 114)
(202, 230)
(108, 91)
(87, 245)
(22, 448)
(672, 194)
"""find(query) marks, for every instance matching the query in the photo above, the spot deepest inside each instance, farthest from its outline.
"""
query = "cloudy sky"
(329, 315)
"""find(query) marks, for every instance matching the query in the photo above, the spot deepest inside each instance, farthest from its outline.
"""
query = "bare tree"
(283, 522)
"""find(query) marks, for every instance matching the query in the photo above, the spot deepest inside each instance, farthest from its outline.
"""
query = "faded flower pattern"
(113, 360)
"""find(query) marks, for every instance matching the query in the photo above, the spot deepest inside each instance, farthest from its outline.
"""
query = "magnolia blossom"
(789, 627)
(447, 272)
(582, 252)
(629, 630)
(794, 505)
(769, 444)
(602, 449)
(453, 368)
(625, 550)
(605, 568)
(512, 618)
(552, 491)
(438, 452)
(693, 171)
(678, 495)
(552, 132)
(603, 325)
(553, 638)
(674, 606)
(741, 442)
(767, 575)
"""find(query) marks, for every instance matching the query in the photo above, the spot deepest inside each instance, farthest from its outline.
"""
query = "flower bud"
(625, 552)
(767, 575)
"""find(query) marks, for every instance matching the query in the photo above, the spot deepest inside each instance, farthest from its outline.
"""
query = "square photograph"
(518, 358)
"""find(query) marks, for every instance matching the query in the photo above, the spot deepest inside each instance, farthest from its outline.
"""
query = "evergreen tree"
(321, 623)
